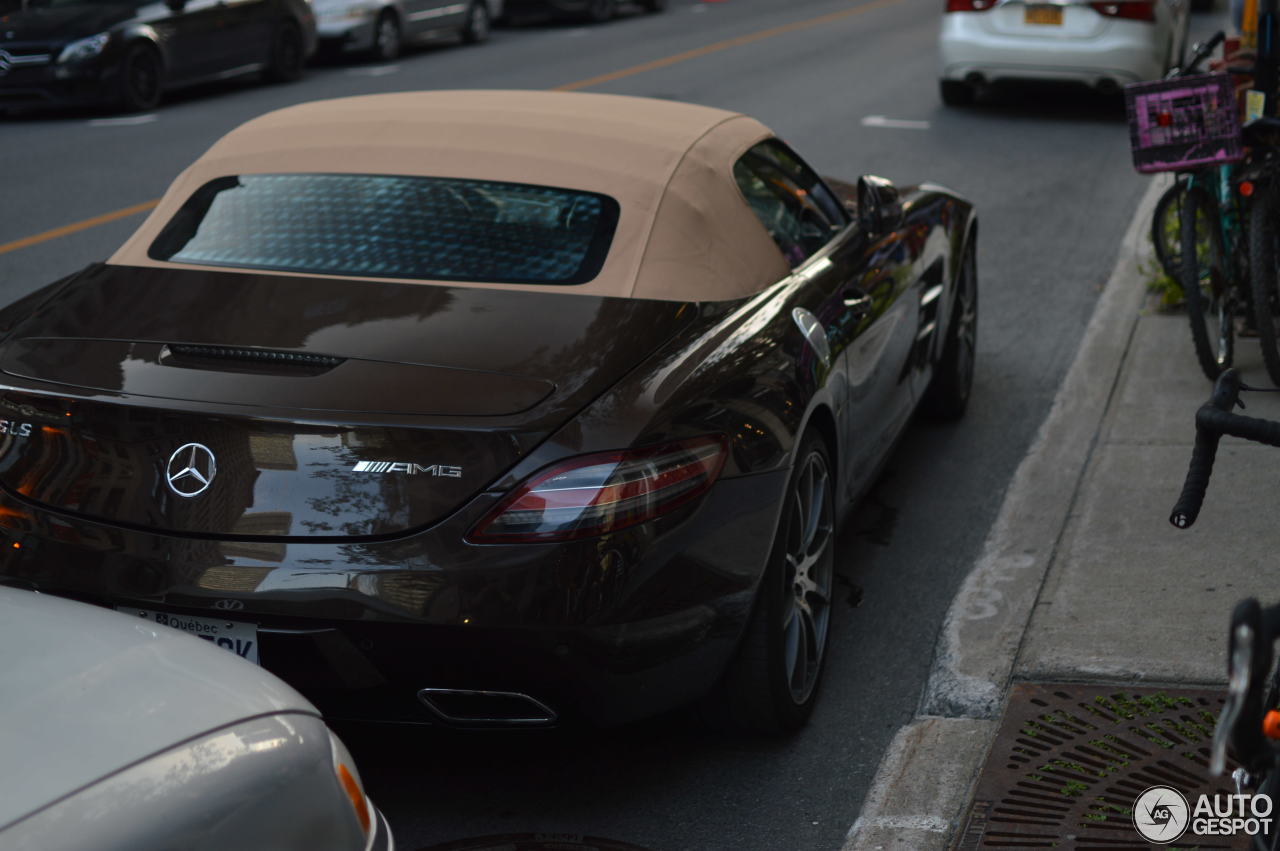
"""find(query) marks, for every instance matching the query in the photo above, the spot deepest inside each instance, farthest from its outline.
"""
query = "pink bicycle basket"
(1183, 123)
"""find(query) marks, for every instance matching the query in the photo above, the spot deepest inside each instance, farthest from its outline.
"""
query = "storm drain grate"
(1070, 760)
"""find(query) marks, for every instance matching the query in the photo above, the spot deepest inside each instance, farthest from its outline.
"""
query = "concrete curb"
(927, 774)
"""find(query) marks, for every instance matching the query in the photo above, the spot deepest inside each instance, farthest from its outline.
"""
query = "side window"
(780, 190)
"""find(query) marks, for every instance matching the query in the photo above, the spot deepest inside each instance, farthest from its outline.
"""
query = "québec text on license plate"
(238, 637)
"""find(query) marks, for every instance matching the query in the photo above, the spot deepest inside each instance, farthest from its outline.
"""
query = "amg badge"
(407, 467)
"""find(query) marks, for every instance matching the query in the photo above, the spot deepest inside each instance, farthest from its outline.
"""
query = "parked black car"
(127, 54)
(435, 443)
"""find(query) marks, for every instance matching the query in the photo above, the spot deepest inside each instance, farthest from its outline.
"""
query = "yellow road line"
(718, 46)
(78, 226)
(665, 62)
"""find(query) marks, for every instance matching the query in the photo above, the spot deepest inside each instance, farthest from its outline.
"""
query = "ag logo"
(191, 469)
(1161, 814)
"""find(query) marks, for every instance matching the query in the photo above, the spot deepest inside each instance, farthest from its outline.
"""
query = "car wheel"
(140, 79)
(477, 26)
(947, 395)
(772, 682)
(386, 37)
(287, 57)
(654, 5)
(601, 10)
(957, 93)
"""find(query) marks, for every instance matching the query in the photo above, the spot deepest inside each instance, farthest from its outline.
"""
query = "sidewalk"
(1083, 579)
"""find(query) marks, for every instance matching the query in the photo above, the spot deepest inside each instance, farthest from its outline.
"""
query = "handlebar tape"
(1208, 432)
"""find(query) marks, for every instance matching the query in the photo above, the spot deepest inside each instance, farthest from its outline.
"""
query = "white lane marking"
(376, 71)
(126, 121)
(894, 123)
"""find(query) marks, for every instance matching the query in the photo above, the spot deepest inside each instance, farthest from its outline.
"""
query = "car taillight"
(594, 494)
(1132, 10)
(969, 5)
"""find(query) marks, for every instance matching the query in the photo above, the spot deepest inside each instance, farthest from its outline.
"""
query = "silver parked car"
(122, 734)
(381, 28)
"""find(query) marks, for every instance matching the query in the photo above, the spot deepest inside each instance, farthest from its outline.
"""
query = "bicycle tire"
(1166, 232)
(1264, 227)
(1206, 283)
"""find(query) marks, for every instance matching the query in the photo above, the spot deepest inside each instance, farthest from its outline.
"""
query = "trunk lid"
(1044, 20)
(261, 406)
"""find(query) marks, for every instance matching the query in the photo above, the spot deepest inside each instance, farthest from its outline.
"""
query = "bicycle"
(1249, 722)
(1187, 123)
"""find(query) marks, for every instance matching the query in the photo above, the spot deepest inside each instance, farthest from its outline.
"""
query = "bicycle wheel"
(1206, 283)
(1264, 221)
(1166, 229)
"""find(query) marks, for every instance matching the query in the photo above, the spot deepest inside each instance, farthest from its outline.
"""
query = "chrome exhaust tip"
(473, 708)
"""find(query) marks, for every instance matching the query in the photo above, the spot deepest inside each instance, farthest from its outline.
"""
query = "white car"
(119, 734)
(381, 28)
(1100, 44)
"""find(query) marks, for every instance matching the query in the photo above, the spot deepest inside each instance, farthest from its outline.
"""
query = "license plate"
(1043, 15)
(238, 637)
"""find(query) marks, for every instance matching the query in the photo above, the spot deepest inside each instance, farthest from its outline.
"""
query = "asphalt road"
(1049, 171)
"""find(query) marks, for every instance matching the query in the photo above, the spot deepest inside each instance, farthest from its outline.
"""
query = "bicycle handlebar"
(1199, 53)
(1213, 420)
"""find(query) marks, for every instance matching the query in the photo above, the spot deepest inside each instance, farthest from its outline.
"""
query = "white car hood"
(86, 691)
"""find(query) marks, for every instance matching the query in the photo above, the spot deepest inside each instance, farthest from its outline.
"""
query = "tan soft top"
(684, 231)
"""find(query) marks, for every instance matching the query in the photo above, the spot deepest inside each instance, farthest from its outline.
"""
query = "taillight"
(594, 494)
(1132, 10)
(969, 5)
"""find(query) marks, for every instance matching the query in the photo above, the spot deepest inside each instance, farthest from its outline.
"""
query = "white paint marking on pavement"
(126, 121)
(894, 123)
(375, 71)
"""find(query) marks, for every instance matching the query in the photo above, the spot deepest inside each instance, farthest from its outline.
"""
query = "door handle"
(857, 301)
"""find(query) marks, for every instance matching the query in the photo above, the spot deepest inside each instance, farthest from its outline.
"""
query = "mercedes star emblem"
(191, 469)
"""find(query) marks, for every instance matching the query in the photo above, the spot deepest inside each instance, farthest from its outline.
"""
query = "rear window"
(384, 226)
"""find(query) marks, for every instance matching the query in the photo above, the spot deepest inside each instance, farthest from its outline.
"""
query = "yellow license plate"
(1044, 15)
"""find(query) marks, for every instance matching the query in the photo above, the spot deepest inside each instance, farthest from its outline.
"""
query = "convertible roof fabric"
(684, 233)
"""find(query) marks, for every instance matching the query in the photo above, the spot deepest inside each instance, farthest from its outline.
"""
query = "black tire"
(387, 38)
(1264, 229)
(947, 396)
(1206, 283)
(600, 11)
(769, 687)
(957, 93)
(478, 25)
(141, 79)
(1166, 230)
(653, 5)
(288, 56)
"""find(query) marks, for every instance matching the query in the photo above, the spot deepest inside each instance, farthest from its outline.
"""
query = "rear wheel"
(1264, 229)
(478, 25)
(772, 682)
(957, 93)
(140, 79)
(284, 65)
(386, 37)
(1206, 283)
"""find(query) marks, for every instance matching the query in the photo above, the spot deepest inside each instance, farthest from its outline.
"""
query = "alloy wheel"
(806, 611)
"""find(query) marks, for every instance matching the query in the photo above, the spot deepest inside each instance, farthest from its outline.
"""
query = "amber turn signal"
(1271, 724)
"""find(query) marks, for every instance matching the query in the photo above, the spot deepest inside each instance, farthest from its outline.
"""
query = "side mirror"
(879, 205)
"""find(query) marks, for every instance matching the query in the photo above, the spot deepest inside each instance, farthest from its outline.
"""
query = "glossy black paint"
(196, 40)
(363, 587)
